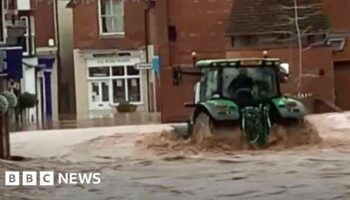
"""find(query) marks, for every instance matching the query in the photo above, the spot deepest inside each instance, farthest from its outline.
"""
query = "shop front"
(103, 81)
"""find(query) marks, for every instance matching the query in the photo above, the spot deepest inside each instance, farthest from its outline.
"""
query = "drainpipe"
(58, 56)
(149, 4)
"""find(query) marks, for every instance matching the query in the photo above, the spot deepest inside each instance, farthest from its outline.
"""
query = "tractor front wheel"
(202, 128)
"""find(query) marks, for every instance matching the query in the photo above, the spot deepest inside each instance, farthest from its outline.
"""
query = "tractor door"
(197, 92)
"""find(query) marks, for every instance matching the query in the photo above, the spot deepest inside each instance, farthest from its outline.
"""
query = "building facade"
(179, 28)
(110, 38)
(339, 39)
(109, 45)
(203, 26)
(29, 54)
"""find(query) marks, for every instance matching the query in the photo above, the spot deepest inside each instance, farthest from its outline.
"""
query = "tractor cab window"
(209, 83)
(256, 83)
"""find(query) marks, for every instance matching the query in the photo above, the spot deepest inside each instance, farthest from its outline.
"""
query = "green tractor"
(241, 93)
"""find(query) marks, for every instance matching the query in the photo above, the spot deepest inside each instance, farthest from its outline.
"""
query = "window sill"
(134, 103)
(112, 35)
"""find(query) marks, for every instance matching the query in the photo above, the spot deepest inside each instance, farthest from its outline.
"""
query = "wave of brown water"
(230, 141)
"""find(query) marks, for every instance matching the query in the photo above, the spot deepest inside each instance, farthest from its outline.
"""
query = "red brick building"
(258, 25)
(181, 27)
(339, 15)
(109, 43)
(29, 43)
(178, 28)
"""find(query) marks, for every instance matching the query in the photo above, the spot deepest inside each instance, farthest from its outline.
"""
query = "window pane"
(118, 71)
(117, 7)
(95, 92)
(131, 70)
(106, 7)
(134, 90)
(112, 16)
(119, 90)
(119, 24)
(98, 71)
(107, 24)
(211, 84)
(105, 91)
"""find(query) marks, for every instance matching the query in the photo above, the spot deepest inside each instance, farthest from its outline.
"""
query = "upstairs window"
(28, 39)
(111, 17)
(337, 44)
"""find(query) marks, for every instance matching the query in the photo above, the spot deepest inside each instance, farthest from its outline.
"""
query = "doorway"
(99, 95)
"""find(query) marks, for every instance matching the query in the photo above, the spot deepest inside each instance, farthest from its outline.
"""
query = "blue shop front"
(33, 75)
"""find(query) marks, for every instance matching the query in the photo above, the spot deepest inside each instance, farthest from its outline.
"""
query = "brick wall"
(200, 26)
(339, 15)
(314, 59)
(44, 21)
(86, 27)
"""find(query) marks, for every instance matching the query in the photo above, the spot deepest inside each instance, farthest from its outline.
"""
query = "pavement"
(70, 122)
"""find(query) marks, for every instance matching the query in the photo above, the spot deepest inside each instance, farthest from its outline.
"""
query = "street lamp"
(194, 58)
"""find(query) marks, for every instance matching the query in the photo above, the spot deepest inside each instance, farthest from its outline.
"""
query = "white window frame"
(4, 32)
(110, 79)
(122, 33)
(342, 41)
(29, 35)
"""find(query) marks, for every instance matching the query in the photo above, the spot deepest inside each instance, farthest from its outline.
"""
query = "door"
(99, 95)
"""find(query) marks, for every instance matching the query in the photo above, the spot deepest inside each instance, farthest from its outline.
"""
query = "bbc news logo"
(48, 178)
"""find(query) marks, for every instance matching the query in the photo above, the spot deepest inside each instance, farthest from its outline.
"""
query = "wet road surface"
(319, 175)
(316, 172)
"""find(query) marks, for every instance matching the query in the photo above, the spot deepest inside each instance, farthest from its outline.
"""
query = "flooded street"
(319, 171)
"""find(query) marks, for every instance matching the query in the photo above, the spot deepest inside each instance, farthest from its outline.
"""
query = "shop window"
(95, 92)
(118, 71)
(132, 71)
(126, 86)
(105, 91)
(134, 90)
(119, 92)
(111, 17)
(99, 72)
(124, 80)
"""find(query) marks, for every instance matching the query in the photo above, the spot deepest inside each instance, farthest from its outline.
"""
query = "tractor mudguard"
(289, 108)
(219, 109)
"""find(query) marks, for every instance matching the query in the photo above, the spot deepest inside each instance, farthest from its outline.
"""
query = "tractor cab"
(245, 81)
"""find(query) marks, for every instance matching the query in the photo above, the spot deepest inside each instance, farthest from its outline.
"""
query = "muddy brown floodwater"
(159, 166)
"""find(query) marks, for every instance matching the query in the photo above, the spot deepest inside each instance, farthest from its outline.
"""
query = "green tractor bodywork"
(255, 115)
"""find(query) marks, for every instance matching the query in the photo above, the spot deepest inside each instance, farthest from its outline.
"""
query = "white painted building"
(104, 78)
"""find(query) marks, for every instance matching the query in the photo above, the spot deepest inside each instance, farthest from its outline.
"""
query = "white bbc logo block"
(12, 178)
(29, 178)
(47, 178)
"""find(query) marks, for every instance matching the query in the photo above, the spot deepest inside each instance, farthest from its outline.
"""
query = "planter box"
(126, 108)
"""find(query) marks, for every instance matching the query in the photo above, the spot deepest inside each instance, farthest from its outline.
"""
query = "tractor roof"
(237, 62)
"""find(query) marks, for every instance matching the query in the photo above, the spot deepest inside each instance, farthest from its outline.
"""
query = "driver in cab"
(242, 81)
